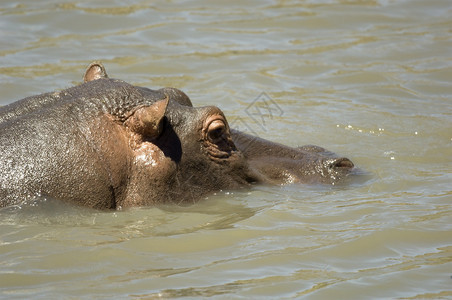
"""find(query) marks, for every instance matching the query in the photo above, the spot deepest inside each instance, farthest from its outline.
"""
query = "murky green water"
(367, 79)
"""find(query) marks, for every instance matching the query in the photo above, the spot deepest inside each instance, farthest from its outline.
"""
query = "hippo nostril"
(341, 163)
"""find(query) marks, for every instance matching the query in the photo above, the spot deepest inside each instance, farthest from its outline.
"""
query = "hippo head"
(180, 152)
(177, 152)
(183, 152)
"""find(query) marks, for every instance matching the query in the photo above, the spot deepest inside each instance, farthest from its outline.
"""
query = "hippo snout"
(342, 163)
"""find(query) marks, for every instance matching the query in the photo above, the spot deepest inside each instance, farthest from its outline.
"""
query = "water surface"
(370, 80)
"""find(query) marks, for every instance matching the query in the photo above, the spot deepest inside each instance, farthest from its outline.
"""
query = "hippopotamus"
(107, 144)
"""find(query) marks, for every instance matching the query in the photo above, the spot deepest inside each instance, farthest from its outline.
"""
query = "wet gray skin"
(107, 144)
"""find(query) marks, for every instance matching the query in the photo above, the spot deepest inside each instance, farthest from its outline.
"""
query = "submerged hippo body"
(108, 144)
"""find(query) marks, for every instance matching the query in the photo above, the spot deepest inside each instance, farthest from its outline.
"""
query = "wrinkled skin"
(107, 144)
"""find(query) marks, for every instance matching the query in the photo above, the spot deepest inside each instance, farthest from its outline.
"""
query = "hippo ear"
(95, 71)
(148, 120)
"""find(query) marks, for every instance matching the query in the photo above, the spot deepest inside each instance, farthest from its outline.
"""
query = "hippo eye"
(216, 130)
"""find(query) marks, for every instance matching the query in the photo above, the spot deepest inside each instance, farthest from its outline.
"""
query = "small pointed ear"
(95, 71)
(148, 120)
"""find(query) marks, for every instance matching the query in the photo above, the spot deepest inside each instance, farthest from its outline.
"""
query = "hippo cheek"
(146, 156)
(150, 174)
(152, 169)
(150, 158)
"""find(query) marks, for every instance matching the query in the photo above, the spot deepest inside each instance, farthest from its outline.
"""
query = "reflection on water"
(366, 79)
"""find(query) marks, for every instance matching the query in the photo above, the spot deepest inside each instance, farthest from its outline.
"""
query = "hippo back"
(57, 143)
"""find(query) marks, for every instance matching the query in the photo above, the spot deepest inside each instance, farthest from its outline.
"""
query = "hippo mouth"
(217, 138)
